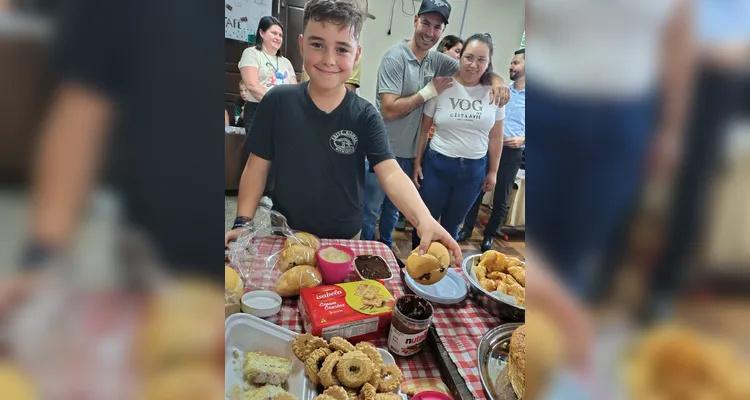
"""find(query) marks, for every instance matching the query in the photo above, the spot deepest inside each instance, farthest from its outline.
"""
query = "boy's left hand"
(431, 231)
(499, 94)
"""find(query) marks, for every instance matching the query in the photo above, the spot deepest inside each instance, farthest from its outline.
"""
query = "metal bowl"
(498, 304)
(492, 357)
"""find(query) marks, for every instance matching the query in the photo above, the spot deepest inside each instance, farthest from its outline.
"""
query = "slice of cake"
(260, 368)
(268, 392)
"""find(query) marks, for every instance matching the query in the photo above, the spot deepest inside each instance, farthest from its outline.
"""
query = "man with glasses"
(514, 132)
(409, 75)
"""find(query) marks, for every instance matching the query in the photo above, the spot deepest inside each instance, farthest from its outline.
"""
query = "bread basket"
(498, 304)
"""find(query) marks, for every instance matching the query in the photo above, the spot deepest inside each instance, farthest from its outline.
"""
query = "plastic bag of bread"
(249, 254)
(296, 278)
(304, 239)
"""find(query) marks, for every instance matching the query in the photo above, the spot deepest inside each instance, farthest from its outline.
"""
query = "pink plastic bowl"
(332, 272)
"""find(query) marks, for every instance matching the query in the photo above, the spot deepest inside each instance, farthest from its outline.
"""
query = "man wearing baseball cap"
(408, 76)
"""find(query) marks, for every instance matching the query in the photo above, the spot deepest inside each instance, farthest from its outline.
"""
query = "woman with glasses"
(452, 171)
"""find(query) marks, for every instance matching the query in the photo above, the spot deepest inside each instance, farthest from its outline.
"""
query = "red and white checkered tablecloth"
(420, 365)
(459, 326)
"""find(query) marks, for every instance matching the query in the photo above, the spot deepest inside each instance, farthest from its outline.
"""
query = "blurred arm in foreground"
(677, 72)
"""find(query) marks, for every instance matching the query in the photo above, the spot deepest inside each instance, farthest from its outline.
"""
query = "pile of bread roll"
(297, 264)
(506, 275)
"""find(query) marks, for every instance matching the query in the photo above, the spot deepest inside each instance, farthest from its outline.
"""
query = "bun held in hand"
(430, 267)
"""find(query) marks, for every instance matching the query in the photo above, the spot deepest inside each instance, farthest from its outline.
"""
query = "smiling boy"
(317, 135)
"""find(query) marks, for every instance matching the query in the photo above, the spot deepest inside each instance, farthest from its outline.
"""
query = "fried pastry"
(509, 280)
(519, 274)
(480, 271)
(488, 284)
(496, 275)
(519, 292)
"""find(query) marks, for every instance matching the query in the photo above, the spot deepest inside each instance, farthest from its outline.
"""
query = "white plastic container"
(261, 303)
(243, 333)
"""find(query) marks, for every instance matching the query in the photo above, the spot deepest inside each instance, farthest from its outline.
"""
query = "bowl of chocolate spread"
(372, 267)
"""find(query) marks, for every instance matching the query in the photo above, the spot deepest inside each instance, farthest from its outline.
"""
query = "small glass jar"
(412, 317)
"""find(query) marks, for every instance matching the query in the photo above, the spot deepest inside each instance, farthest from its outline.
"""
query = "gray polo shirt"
(402, 74)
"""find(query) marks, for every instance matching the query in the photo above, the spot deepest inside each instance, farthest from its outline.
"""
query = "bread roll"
(295, 255)
(296, 278)
(304, 239)
(430, 267)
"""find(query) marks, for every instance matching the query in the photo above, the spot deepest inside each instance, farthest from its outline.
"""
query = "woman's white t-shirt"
(463, 117)
(267, 66)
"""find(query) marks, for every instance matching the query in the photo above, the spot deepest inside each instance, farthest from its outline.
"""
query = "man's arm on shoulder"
(390, 87)
(445, 65)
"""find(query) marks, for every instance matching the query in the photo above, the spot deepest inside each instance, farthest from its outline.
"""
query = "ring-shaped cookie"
(390, 378)
(313, 362)
(354, 369)
(341, 344)
(326, 374)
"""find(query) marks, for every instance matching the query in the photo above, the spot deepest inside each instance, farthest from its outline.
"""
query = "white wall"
(503, 19)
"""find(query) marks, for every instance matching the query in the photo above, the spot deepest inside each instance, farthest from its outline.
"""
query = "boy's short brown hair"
(342, 13)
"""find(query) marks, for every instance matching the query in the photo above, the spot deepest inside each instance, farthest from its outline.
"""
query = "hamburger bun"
(430, 267)
(295, 255)
(304, 239)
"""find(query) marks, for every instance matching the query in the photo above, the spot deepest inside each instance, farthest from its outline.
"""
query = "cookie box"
(353, 310)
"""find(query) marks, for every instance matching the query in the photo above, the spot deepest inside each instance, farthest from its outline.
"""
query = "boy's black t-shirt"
(318, 158)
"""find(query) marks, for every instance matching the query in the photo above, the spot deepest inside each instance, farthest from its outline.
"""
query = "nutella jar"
(412, 317)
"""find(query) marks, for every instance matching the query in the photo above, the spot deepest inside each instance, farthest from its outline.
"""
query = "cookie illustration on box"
(371, 292)
(375, 301)
(361, 289)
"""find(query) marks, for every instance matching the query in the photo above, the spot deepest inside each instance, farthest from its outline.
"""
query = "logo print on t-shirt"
(344, 142)
(466, 110)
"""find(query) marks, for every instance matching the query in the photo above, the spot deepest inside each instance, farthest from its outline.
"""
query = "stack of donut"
(346, 371)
